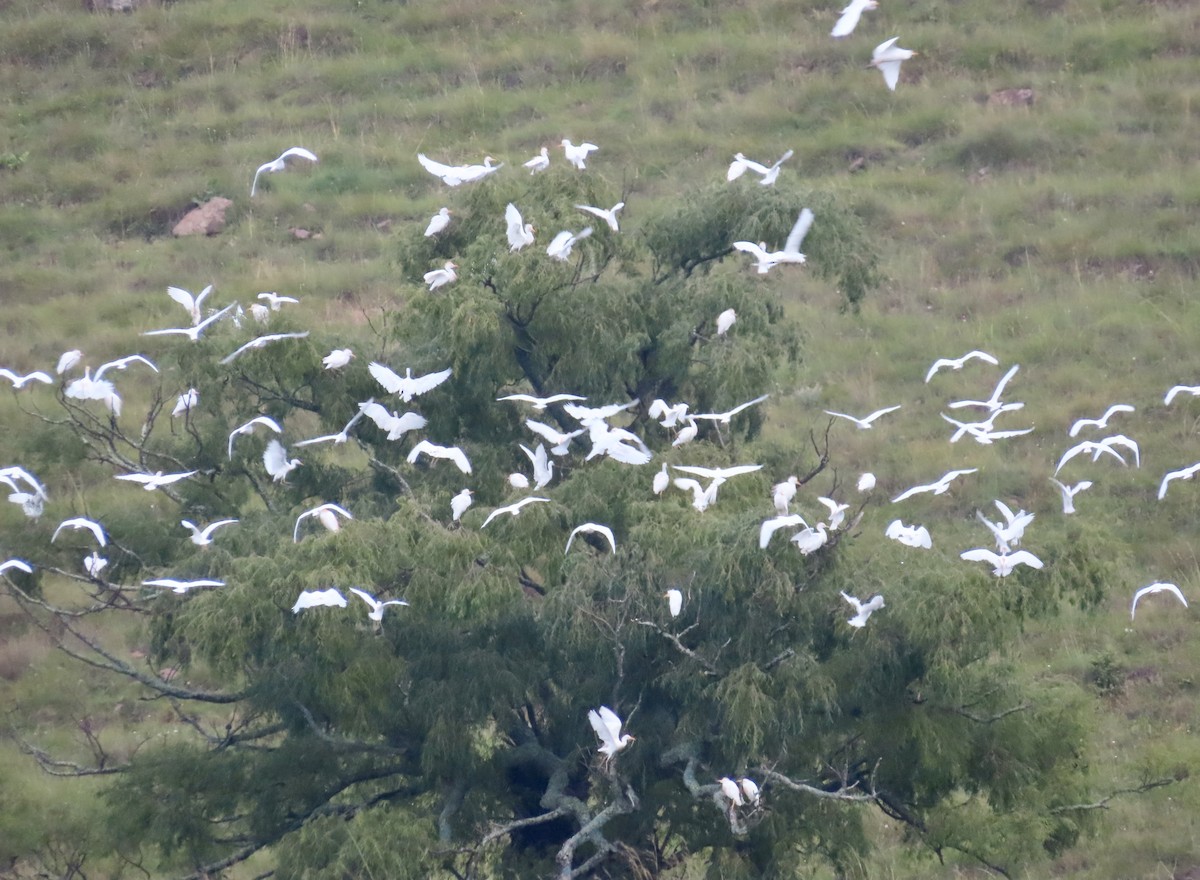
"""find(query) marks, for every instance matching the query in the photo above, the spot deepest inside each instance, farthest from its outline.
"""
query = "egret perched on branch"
(725, 320)
(577, 153)
(887, 58)
(281, 163)
(94, 564)
(326, 514)
(866, 482)
(459, 504)
(438, 222)
(957, 363)
(811, 539)
(674, 601)
(316, 598)
(608, 727)
(1156, 588)
(436, 278)
(248, 428)
(374, 604)
(337, 358)
(203, 537)
(186, 401)
(731, 790)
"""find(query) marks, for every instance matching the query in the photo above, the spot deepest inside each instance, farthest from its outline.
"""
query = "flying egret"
(983, 432)
(559, 439)
(811, 539)
(459, 504)
(407, 386)
(910, 536)
(1098, 448)
(262, 342)
(1069, 492)
(608, 215)
(395, 425)
(865, 422)
(337, 358)
(203, 537)
(94, 564)
(617, 443)
(543, 468)
(326, 514)
(608, 728)
(193, 333)
(1101, 422)
(67, 360)
(732, 791)
(80, 522)
(519, 233)
(454, 175)
(1156, 588)
(887, 58)
(725, 320)
(740, 165)
(12, 473)
(451, 453)
(18, 564)
(157, 480)
(770, 526)
(957, 363)
(188, 301)
(276, 461)
(724, 417)
(1193, 390)
(248, 428)
(32, 504)
(938, 487)
(837, 512)
(1183, 474)
(180, 586)
(438, 222)
(866, 482)
(791, 247)
(340, 437)
(783, 493)
(186, 401)
(849, 18)
(317, 598)
(992, 403)
(514, 509)
(88, 388)
(540, 403)
(436, 278)
(577, 153)
(670, 414)
(19, 381)
(595, 529)
(701, 497)
(1002, 563)
(862, 610)
(586, 415)
(374, 604)
(561, 245)
(281, 163)
(674, 601)
(275, 301)
(540, 162)
(1009, 535)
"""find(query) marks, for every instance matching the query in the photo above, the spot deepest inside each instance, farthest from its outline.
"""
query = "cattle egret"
(12, 473)
(674, 601)
(731, 790)
(438, 222)
(725, 320)
(617, 443)
(436, 278)
(514, 509)
(248, 428)
(740, 165)
(276, 461)
(518, 481)
(850, 15)
(150, 482)
(88, 388)
(608, 728)
(608, 215)
(670, 414)
(262, 342)
(281, 163)
(1069, 492)
(407, 386)
(811, 539)
(910, 536)
(340, 437)
(586, 415)
(992, 403)
(767, 260)
(188, 301)
(80, 522)
(595, 529)
(938, 487)
(866, 482)
(337, 358)
(661, 481)
(94, 564)
(543, 468)
(837, 512)
(374, 604)
(540, 162)
(451, 453)
(887, 58)
(687, 433)
(19, 382)
(783, 493)
(1002, 563)
(459, 504)
(1193, 390)
(750, 790)
(957, 363)
(454, 175)
(193, 333)
(519, 233)
(770, 526)
(178, 586)
(561, 245)
(258, 312)
(326, 514)
(701, 497)
(577, 153)
(275, 301)
(1101, 422)
(67, 360)
(186, 401)
(725, 417)
(203, 537)
(540, 403)
(1098, 448)
(862, 610)
(315, 598)
(1156, 588)
(865, 422)
(395, 425)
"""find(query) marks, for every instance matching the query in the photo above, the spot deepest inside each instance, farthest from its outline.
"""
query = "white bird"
(887, 58)
(1101, 422)
(94, 564)
(519, 233)
(179, 586)
(12, 473)
(203, 537)
(1193, 390)
(577, 153)
(783, 493)
(188, 301)
(395, 425)
(1156, 588)
(326, 514)
(68, 360)
(608, 215)
(687, 433)
(262, 342)
(1002, 563)
(275, 301)
(661, 481)
(88, 388)
(248, 428)
(459, 504)
(586, 415)
(281, 163)
(701, 497)
(1069, 492)
(992, 403)
(725, 320)
(608, 728)
(674, 601)
(670, 414)
(731, 790)
(438, 222)
(865, 422)
(18, 564)
(316, 598)
(910, 536)
(617, 443)
(340, 437)
(937, 487)
(276, 461)
(724, 417)
(540, 162)
(374, 604)
(862, 610)
(540, 403)
(1183, 474)
(750, 790)
(837, 512)
(957, 363)
(32, 504)
(983, 432)
(791, 248)
(543, 468)
(740, 165)
(436, 278)
(19, 382)
(337, 358)
(514, 509)
(770, 526)
(559, 439)
(122, 364)
(866, 482)
(150, 482)
(850, 15)
(193, 333)
(407, 386)
(186, 401)
(595, 529)
(518, 481)
(811, 539)
(452, 453)
(1098, 448)
(260, 313)
(561, 245)
(1010, 534)
(453, 175)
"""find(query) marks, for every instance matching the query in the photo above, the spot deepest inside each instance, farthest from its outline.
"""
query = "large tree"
(451, 738)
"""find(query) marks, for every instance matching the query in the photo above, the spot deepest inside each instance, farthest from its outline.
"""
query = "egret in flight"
(595, 529)
(374, 604)
(193, 333)
(608, 215)
(203, 537)
(862, 610)
(262, 342)
(248, 428)
(452, 453)
(179, 586)
(407, 386)
(1069, 492)
(1182, 474)
(514, 509)
(281, 163)
(865, 422)
(1156, 588)
(150, 482)
(561, 245)
(80, 522)
(608, 728)
(767, 260)
(957, 363)
(18, 381)
(326, 514)
(188, 301)
(1002, 563)
(887, 58)
(938, 487)
(849, 18)
(317, 598)
(276, 461)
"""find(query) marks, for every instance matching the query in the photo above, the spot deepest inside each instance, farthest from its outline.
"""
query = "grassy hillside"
(1060, 235)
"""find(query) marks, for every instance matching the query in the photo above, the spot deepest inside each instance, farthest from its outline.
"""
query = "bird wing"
(980, 554)
(602, 730)
(1024, 557)
(183, 297)
(298, 151)
(890, 71)
(275, 457)
(459, 458)
(799, 231)
(391, 381)
(371, 601)
(848, 21)
(420, 384)
(436, 168)
(854, 602)
(770, 526)
(937, 365)
(854, 419)
(750, 247)
(212, 527)
(611, 721)
(516, 224)
(880, 412)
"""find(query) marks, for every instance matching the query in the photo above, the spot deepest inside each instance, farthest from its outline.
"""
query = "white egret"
(67, 360)
(1182, 474)
(701, 497)
(157, 480)
(559, 439)
(436, 278)
(1156, 588)
(438, 222)
(12, 473)
(543, 468)
(407, 386)
(193, 333)
(374, 604)
(540, 162)
(585, 415)
(811, 539)
(319, 598)
(561, 245)
(94, 564)
(275, 301)
(595, 529)
(577, 153)
(340, 437)
(1101, 422)
(276, 461)
(725, 417)
(848, 21)
(180, 586)
(87, 388)
(661, 481)
(32, 504)
(732, 791)
(837, 512)
(608, 728)
(1193, 390)
(202, 537)
(992, 403)
(518, 481)
(540, 403)
(519, 233)
(459, 504)
(395, 425)
(19, 382)
(80, 522)
(258, 312)
(983, 432)
(451, 453)
(938, 487)
(1002, 563)
(910, 536)
(326, 514)
(750, 790)
(767, 260)
(1010, 534)
(262, 342)
(674, 601)
(514, 509)
(1069, 492)
(186, 401)
(18, 564)
(887, 58)
(248, 428)
(725, 320)
(862, 610)
(740, 165)
(770, 526)
(866, 482)
(865, 422)
(1098, 448)
(454, 175)
(337, 358)
(617, 443)
(188, 301)
(608, 215)
(957, 363)
(783, 493)
(687, 433)
(670, 414)
(281, 163)
(123, 364)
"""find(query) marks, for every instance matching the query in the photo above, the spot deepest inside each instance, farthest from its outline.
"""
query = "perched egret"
(438, 222)
(1156, 588)
(179, 586)
(1183, 474)
(767, 260)
(811, 539)
(1002, 563)
(315, 598)
(595, 529)
(519, 233)
(687, 433)
(540, 162)
(451, 453)
(261, 342)
(459, 504)
(326, 514)
(186, 401)
(577, 153)
(732, 791)
(374, 604)
(887, 58)
(337, 358)
(783, 493)
(938, 487)
(436, 278)
(750, 790)
(80, 522)
(957, 363)
(866, 482)
(94, 564)
(276, 461)
(518, 481)
(407, 386)
(849, 18)
(19, 381)
(910, 536)
(203, 537)
(865, 422)
(992, 403)
(190, 302)
(608, 215)
(674, 601)
(562, 244)
(540, 403)
(1069, 492)
(1101, 422)
(608, 727)
(193, 333)
(281, 163)
(770, 526)
(862, 610)
(725, 320)
(514, 509)
(68, 360)
(661, 481)
(248, 428)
